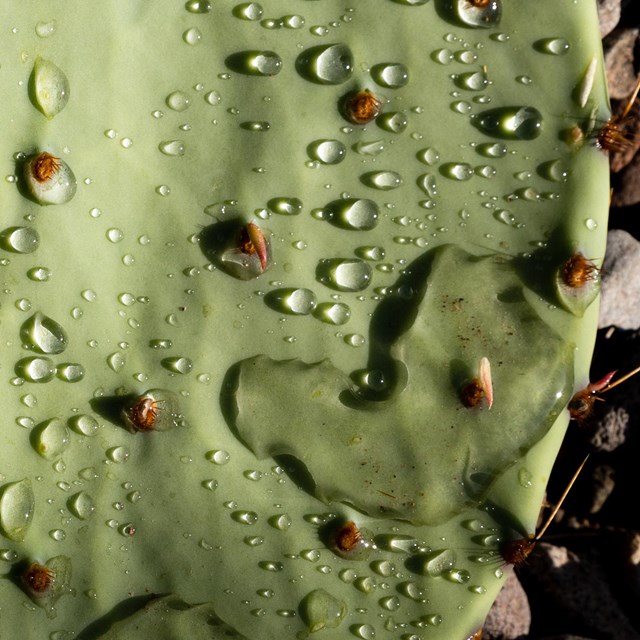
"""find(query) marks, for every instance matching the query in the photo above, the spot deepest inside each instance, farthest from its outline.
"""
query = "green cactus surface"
(287, 338)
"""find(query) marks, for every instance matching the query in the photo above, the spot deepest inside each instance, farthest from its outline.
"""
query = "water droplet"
(371, 148)
(383, 180)
(177, 364)
(43, 334)
(49, 179)
(285, 206)
(393, 121)
(457, 170)
(50, 87)
(457, 575)
(218, 456)
(17, 503)
(255, 125)
(81, 505)
(552, 46)
(364, 631)
(281, 521)
(36, 369)
(271, 565)
(511, 123)
(354, 340)
(192, 36)
(255, 63)
(248, 11)
(293, 22)
(525, 478)
(353, 213)
(50, 438)
(591, 224)
(505, 216)
(472, 13)
(427, 183)
(442, 56)
(473, 81)
(213, 98)
(116, 361)
(434, 563)
(383, 568)
(486, 171)
(344, 274)
(390, 603)
(245, 517)
(327, 151)
(326, 64)
(390, 75)
(70, 371)
(335, 313)
(554, 170)
(84, 425)
(118, 455)
(20, 239)
(178, 101)
(172, 147)
(299, 302)
(39, 274)
(432, 619)
(320, 610)
(492, 149)
(46, 29)
(198, 6)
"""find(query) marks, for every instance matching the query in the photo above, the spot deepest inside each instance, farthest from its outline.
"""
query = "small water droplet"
(119, 454)
(434, 563)
(192, 36)
(198, 6)
(475, 14)
(353, 213)
(364, 631)
(39, 274)
(46, 29)
(335, 313)
(320, 610)
(116, 361)
(554, 170)
(36, 369)
(370, 148)
(50, 438)
(172, 147)
(393, 121)
(70, 371)
(285, 206)
(84, 424)
(177, 364)
(492, 149)
(245, 517)
(326, 64)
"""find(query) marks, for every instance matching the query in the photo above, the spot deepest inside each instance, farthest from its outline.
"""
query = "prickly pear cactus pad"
(289, 311)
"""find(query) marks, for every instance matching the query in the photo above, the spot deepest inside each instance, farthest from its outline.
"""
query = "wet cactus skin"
(125, 271)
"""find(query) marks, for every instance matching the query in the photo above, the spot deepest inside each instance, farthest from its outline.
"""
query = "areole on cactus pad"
(288, 305)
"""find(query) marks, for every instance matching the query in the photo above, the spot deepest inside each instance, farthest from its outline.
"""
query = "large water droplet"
(178, 101)
(43, 334)
(81, 505)
(70, 371)
(299, 302)
(255, 63)
(326, 64)
(353, 213)
(434, 563)
(327, 151)
(36, 369)
(20, 239)
(478, 13)
(552, 46)
(392, 121)
(511, 123)
(84, 424)
(391, 75)
(50, 87)
(248, 11)
(177, 364)
(383, 180)
(50, 438)
(320, 610)
(17, 503)
(344, 274)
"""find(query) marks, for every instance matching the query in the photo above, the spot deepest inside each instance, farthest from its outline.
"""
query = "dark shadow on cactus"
(215, 238)
(111, 407)
(121, 611)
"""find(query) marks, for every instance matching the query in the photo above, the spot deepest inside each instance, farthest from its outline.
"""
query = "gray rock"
(620, 291)
(510, 616)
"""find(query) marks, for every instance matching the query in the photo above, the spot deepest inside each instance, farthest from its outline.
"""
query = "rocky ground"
(583, 581)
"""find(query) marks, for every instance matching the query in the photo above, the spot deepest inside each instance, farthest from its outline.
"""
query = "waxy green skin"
(134, 286)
